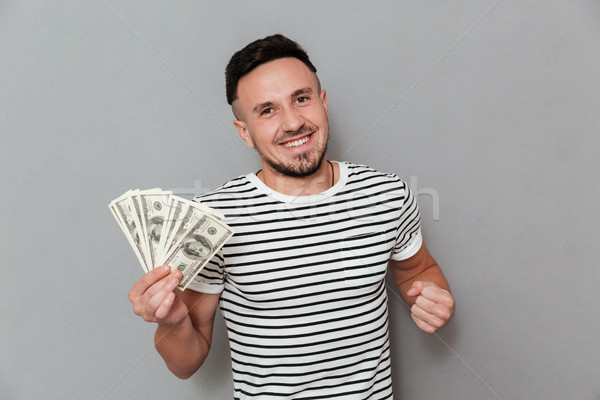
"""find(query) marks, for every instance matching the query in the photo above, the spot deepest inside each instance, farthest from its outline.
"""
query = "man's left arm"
(424, 288)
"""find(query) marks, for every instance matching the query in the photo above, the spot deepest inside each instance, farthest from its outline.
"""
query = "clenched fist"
(433, 307)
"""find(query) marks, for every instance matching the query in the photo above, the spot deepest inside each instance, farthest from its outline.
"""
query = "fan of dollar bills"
(166, 229)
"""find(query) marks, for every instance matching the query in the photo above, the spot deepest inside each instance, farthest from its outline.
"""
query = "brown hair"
(260, 52)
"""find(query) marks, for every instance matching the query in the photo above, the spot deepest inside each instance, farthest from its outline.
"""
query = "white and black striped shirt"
(302, 283)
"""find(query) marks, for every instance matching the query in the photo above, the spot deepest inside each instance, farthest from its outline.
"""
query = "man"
(301, 283)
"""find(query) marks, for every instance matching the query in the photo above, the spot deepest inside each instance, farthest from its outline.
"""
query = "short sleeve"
(211, 278)
(408, 231)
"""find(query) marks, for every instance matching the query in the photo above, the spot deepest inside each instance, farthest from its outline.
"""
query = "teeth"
(296, 143)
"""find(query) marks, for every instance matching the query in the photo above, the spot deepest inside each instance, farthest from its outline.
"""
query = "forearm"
(182, 347)
(422, 286)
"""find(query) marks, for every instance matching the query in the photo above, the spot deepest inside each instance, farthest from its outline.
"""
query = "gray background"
(488, 108)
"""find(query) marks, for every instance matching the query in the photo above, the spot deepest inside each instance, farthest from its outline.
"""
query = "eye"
(266, 111)
(302, 99)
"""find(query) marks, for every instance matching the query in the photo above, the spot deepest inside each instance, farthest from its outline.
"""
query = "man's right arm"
(185, 319)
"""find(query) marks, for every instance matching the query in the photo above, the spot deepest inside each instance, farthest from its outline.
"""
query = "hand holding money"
(154, 298)
(166, 229)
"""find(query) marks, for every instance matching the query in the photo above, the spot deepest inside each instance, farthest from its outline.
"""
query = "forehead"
(275, 80)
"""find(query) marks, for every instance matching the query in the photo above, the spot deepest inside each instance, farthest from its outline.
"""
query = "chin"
(301, 167)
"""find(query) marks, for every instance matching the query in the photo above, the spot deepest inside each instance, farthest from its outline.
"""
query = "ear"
(323, 97)
(243, 132)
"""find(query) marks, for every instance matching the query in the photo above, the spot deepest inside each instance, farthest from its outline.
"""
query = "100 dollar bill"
(196, 246)
(123, 211)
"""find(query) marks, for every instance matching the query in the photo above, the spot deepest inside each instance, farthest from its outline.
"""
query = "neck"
(320, 181)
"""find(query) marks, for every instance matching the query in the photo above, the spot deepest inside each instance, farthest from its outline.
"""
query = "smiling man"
(282, 113)
(301, 284)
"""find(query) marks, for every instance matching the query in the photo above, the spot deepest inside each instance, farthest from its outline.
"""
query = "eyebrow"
(266, 104)
(306, 90)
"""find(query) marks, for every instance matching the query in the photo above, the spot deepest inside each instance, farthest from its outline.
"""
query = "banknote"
(195, 247)
(136, 211)
(124, 211)
(166, 229)
(174, 219)
(190, 216)
(155, 208)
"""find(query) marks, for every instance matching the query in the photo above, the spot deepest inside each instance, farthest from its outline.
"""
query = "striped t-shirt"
(302, 283)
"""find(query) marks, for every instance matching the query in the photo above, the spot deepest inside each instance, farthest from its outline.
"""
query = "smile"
(297, 142)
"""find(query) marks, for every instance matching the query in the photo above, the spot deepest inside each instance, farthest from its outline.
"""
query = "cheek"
(263, 135)
(320, 115)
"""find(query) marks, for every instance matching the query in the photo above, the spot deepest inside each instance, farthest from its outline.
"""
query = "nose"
(292, 120)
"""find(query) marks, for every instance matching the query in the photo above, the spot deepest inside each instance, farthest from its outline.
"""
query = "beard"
(302, 165)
